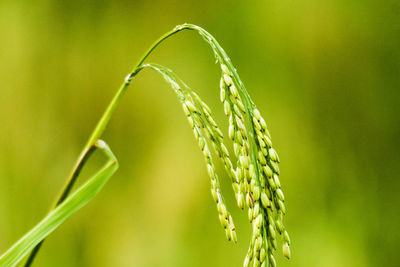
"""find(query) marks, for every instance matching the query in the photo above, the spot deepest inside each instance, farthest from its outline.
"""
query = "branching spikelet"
(203, 125)
(216, 137)
(260, 181)
(194, 116)
(255, 176)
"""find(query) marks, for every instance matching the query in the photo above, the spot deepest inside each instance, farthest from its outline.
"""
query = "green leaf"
(56, 217)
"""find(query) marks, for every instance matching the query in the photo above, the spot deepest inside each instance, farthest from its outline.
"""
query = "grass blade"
(73, 203)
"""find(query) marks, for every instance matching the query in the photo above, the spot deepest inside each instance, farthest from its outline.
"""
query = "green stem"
(98, 131)
(101, 125)
(103, 122)
(223, 58)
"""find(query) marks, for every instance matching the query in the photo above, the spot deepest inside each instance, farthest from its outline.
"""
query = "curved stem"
(98, 131)
(101, 125)
(223, 58)
(104, 120)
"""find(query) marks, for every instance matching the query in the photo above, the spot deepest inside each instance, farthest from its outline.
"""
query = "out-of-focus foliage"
(325, 75)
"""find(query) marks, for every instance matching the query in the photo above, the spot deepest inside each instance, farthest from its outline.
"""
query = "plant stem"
(104, 120)
(85, 155)
(97, 132)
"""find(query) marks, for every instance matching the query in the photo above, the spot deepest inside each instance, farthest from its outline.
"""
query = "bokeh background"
(325, 75)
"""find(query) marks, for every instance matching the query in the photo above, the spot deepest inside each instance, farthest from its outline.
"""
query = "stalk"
(250, 114)
(97, 133)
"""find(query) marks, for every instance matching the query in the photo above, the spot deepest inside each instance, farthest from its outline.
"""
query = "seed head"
(233, 90)
(228, 80)
(286, 250)
(246, 262)
(286, 237)
(256, 193)
(267, 171)
(227, 108)
(273, 155)
(272, 260)
(254, 177)
(280, 194)
(189, 105)
(265, 201)
(222, 90)
(262, 254)
(225, 69)
(240, 201)
(277, 182)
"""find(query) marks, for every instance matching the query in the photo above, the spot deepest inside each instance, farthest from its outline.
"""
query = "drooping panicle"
(204, 127)
(255, 174)
(258, 173)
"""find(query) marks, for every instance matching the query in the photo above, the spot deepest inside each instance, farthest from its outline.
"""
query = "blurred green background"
(325, 75)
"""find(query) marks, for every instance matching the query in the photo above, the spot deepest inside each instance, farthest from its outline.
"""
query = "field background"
(325, 75)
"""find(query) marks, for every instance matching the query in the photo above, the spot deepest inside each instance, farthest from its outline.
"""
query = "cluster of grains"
(216, 137)
(254, 177)
(257, 171)
(204, 126)
(197, 124)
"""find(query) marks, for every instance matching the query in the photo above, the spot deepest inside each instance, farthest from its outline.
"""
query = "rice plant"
(253, 169)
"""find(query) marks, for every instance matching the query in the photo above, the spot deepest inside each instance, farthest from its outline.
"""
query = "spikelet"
(255, 175)
(259, 171)
(204, 126)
